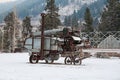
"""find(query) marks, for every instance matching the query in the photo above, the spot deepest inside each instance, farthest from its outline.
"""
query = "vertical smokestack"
(42, 36)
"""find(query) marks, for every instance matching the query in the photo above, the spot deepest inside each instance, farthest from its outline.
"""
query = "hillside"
(34, 7)
(96, 9)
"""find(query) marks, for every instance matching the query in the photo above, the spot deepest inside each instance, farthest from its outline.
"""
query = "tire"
(68, 60)
(49, 61)
(77, 61)
(33, 59)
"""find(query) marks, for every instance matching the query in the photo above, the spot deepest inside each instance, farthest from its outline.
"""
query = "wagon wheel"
(68, 60)
(49, 61)
(77, 61)
(33, 59)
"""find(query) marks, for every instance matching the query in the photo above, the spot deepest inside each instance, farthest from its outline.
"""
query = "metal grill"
(98, 36)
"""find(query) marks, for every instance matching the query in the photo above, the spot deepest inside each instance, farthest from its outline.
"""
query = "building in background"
(109, 43)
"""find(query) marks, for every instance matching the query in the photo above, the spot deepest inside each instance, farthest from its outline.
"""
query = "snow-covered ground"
(17, 67)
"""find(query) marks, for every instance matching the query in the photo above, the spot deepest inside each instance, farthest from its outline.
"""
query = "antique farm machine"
(51, 44)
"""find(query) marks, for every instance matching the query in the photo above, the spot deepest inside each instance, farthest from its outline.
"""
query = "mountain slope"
(95, 8)
(34, 7)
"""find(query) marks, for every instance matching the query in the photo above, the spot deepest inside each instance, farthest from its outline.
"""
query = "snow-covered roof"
(109, 43)
(76, 38)
(84, 38)
(48, 32)
(59, 39)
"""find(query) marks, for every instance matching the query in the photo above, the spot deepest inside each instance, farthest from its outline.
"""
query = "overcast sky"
(3, 1)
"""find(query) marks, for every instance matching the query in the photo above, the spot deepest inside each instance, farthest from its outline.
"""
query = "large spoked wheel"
(49, 61)
(68, 60)
(33, 59)
(77, 61)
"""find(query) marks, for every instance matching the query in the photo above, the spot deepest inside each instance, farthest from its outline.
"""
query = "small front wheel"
(33, 59)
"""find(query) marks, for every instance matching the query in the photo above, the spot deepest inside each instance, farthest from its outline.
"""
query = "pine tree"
(52, 17)
(71, 20)
(9, 31)
(6, 40)
(27, 28)
(67, 21)
(74, 20)
(88, 21)
(1, 37)
(110, 18)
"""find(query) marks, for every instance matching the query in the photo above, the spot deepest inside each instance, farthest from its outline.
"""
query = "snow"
(88, 1)
(74, 5)
(68, 10)
(4, 1)
(102, 50)
(76, 38)
(16, 67)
